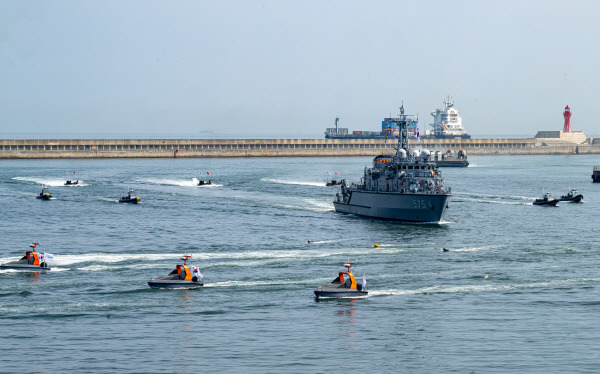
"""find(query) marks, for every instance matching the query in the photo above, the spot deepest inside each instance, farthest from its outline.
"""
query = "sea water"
(518, 291)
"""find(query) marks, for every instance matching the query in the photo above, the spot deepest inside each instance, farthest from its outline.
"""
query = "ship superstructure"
(406, 186)
(447, 123)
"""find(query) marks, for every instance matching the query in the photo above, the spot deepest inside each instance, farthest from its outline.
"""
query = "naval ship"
(405, 186)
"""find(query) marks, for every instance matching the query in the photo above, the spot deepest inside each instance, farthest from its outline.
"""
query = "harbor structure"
(565, 136)
(190, 148)
(567, 115)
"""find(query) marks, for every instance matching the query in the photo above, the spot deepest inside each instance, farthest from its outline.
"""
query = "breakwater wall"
(167, 148)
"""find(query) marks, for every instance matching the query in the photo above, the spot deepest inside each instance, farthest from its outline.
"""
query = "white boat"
(447, 123)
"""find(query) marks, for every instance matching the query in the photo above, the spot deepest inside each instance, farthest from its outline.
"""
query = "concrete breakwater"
(168, 148)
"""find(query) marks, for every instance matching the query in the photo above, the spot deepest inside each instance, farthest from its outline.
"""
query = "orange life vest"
(36, 259)
(186, 270)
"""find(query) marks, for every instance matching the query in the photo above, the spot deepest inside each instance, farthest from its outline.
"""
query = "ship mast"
(402, 122)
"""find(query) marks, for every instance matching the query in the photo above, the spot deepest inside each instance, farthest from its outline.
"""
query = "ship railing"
(596, 168)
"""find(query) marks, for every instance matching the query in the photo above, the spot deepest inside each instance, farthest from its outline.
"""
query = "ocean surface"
(518, 292)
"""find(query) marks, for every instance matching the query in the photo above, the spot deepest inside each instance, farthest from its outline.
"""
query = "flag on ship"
(197, 273)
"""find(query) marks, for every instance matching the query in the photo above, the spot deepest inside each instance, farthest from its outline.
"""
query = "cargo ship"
(389, 129)
(447, 124)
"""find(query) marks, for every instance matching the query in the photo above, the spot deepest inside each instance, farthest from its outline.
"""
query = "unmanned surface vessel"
(405, 186)
(32, 261)
(130, 198)
(343, 286)
(181, 277)
(572, 196)
(547, 200)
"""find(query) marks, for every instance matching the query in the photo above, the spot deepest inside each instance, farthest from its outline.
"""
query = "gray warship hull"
(395, 206)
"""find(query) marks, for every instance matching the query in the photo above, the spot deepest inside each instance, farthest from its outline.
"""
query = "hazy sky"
(288, 68)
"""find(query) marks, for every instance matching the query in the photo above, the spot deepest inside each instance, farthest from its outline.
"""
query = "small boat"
(596, 174)
(32, 261)
(573, 196)
(547, 200)
(333, 183)
(203, 183)
(344, 286)
(130, 198)
(71, 183)
(44, 195)
(181, 277)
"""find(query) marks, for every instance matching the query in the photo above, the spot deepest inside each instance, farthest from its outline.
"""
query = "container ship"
(447, 124)
(389, 129)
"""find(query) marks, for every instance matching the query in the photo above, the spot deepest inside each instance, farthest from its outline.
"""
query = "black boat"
(573, 196)
(344, 286)
(547, 200)
(333, 183)
(181, 277)
(71, 183)
(203, 183)
(596, 174)
(44, 195)
(129, 198)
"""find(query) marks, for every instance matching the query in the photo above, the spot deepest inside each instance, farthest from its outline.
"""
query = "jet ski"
(32, 261)
(547, 200)
(44, 195)
(203, 183)
(573, 196)
(333, 183)
(181, 277)
(71, 183)
(344, 286)
(130, 198)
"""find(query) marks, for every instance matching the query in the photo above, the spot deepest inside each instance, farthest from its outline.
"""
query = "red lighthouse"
(567, 115)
